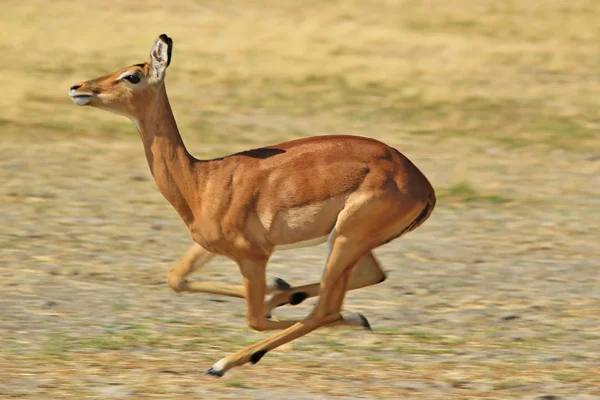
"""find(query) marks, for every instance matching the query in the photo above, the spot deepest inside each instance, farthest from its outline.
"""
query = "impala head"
(128, 90)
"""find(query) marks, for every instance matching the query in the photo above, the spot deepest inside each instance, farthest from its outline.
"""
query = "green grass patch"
(237, 384)
(213, 337)
(464, 192)
(422, 350)
(58, 346)
(568, 376)
(391, 331)
(61, 345)
(375, 358)
(121, 306)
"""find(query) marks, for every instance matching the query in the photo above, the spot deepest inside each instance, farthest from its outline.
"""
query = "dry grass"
(519, 73)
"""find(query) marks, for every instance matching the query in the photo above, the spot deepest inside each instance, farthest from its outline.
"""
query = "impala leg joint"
(256, 356)
(298, 298)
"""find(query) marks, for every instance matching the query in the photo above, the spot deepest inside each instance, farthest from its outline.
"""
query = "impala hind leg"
(193, 260)
(253, 275)
(367, 272)
(342, 258)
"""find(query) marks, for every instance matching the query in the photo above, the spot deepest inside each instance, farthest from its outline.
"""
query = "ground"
(497, 295)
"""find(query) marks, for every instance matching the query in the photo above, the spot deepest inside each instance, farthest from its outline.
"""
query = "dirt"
(496, 296)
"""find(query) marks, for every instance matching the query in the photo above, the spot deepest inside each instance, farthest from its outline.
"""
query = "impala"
(352, 192)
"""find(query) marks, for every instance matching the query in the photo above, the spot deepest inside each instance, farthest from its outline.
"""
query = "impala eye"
(132, 79)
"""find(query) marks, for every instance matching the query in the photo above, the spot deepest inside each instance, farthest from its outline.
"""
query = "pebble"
(50, 304)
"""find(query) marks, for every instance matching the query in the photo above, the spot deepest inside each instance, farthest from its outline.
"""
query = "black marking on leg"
(214, 372)
(364, 322)
(255, 357)
(281, 284)
(298, 298)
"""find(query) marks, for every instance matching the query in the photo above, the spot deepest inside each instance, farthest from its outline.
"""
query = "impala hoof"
(356, 319)
(364, 322)
(280, 284)
(215, 372)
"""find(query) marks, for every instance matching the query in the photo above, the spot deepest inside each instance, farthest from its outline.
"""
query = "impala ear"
(161, 56)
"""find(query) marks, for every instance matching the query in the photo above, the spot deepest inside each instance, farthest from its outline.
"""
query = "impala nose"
(75, 87)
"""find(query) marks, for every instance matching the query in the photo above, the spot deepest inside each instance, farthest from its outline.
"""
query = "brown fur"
(359, 191)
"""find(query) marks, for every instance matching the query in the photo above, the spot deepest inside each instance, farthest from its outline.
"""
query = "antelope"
(354, 193)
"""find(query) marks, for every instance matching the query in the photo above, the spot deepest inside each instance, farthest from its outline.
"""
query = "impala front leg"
(327, 311)
(196, 258)
(253, 276)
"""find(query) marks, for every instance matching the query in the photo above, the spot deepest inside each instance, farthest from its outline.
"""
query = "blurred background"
(496, 101)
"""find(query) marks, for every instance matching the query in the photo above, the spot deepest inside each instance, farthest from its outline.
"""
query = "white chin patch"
(81, 100)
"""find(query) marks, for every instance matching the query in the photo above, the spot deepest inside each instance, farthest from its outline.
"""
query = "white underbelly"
(303, 243)
(290, 228)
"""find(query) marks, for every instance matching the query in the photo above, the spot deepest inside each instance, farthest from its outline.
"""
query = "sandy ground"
(496, 296)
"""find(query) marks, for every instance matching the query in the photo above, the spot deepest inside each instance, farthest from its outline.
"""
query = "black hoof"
(280, 284)
(214, 372)
(298, 298)
(364, 322)
(255, 357)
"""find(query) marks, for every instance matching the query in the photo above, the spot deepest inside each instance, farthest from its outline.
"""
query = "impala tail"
(424, 214)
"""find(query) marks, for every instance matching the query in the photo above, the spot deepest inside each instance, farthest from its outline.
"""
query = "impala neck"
(170, 163)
